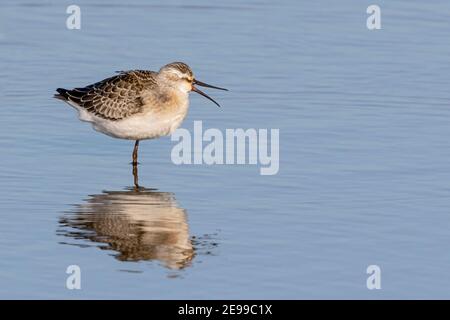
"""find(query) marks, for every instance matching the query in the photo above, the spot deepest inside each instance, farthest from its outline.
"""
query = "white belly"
(138, 127)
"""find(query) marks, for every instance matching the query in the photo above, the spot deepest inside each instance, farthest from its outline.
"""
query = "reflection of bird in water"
(139, 225)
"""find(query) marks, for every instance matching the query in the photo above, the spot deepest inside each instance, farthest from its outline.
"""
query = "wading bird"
(137, 104)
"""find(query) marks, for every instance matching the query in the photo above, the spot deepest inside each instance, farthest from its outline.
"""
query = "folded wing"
(114, 98)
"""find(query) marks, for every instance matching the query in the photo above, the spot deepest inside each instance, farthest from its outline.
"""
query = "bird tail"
(62, 94)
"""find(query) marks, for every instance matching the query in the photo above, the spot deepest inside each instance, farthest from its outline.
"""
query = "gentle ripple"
(364, 177)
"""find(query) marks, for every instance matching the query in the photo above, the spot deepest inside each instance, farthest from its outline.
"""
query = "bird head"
(180, 76)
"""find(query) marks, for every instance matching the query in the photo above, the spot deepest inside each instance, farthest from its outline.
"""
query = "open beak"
(202, 84)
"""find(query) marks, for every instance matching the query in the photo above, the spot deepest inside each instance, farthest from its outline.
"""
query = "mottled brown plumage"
(114, 98)
(182, 67)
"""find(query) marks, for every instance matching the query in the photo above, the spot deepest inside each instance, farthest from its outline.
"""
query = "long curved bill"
(204, 94)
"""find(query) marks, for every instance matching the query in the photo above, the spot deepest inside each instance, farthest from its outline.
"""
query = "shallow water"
(364, 153)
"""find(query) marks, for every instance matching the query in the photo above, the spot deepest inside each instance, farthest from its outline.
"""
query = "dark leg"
(135, 164)
(135, 152)
(135, 175)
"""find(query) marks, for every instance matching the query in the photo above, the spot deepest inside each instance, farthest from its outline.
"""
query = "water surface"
(364, 176)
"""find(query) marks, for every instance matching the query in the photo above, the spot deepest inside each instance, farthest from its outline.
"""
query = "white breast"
(146, 125)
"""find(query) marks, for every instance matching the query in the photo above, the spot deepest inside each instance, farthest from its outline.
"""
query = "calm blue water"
(364, 119)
